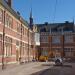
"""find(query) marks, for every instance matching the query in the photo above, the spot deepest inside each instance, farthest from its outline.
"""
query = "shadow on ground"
(68, 66)
(39, 73)
(52, 70)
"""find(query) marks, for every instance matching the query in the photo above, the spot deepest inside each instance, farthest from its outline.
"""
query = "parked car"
(58, 61)
(43, 58)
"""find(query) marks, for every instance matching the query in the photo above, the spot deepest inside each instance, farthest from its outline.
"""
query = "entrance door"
(17, 54)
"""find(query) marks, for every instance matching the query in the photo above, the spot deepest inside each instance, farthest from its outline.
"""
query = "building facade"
(57, 38)
(16, 38)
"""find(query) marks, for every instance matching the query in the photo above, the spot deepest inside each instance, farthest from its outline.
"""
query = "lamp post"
(3, 42)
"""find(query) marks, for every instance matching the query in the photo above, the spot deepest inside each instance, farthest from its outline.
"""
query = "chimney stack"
(9, 3)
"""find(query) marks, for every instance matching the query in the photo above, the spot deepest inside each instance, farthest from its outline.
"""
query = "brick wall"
(60, 47)
(11, 31)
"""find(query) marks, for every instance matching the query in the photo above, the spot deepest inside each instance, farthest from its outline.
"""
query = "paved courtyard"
(66, 69)
(39, 68)
(25, 69)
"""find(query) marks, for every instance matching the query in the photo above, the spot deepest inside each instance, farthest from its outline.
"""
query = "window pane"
(8, 46)
(9, 21)
(55, 39)
(1, 15)
(17, 43)
(68, 39)
(18, 28)
(0, 37)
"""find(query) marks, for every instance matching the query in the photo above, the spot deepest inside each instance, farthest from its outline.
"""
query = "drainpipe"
(3, 43)
(20, 45)
(28, 44)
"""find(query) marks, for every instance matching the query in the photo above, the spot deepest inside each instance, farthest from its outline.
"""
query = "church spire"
(31, 19)
(31, 13)
(73, 20)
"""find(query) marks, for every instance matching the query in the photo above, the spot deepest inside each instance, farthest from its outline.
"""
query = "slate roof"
(54, 26)
(6, 6)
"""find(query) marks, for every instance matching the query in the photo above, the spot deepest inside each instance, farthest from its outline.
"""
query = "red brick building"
(16, 38)
(57, 38)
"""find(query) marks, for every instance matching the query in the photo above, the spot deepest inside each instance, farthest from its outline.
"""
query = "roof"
(6, 6)
(55, 26)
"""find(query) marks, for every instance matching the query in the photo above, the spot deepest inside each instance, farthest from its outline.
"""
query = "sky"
(44, 10)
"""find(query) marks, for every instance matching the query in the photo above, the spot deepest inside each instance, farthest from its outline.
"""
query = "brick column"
(50, 46)
(62, 46)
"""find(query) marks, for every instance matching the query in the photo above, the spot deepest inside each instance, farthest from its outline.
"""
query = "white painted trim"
(9, 63)
(15, 19)
(1, 32)
(12, 16)
(1, 7)
(44, 42)
(44, 47)
(69, 47)
(8, 56)
(15, 38)
(12, 62)
(0, 63)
